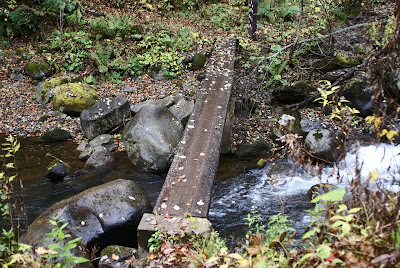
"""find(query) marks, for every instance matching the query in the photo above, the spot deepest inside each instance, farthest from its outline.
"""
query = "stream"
(281, 186)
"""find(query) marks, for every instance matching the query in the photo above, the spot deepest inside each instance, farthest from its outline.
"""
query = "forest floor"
(20, 114)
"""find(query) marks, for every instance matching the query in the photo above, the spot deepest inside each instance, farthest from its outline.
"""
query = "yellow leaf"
(235, 256)
(391, 134)
(42, 250)
(374, 175)
(383, 132)
(212, 260)
(377, 122)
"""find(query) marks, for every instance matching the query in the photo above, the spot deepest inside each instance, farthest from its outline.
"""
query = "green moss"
(58, 81)
(20, 51)
(339, 61)
(32, 67)
(73, 98)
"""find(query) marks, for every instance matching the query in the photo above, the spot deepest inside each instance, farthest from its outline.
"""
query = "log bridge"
(184, 201)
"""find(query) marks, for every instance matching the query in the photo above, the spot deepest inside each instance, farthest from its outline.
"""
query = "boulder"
(359, 94)
(136, 107)
(158, 73)
(105, 115)
(319, 189)
(99, 157)
(182, 110)
(151, 138)
(104, 140)
(57, 170)
(323, 143)
(54, 135)
(293, 93)
(337, 61)
(118, 256)
(178, 105)
(252, 150)
(73, 98)
(37, 71)
(44, 89)
(198, 61)
(392, 79)
(104, 215)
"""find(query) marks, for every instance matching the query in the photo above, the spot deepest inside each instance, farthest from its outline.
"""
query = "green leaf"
(276, 47)
(332, 196)
(324, 251)
(311, 233)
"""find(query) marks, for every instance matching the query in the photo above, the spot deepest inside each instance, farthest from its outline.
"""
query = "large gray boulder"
(151, 138)
(104, 140)
(105, 115)
(252, 150)
(290, 94)
(182, 109)
(99, 157)
(104, 215)
(359, 94)
(323, 143)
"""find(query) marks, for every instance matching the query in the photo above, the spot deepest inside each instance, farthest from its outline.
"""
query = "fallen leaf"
(114, 257)
(163, 206)
(200, 203)
(131, 198)
(176, 207)
(202, 154)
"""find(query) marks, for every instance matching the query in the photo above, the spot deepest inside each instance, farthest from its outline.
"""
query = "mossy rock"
(20, 51)
(54, 135)
(57, 170)
(37, 71)
(199, 59)
(73, 98)
(58, 81)
(44, 89)
(338, 61)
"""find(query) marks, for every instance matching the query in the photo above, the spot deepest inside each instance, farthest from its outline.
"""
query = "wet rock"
(37, 71)
(99, 157)
(117, 256)
(54, 135)
(104, 116)
(76, 174)
(151, 137)
(323, 143)
(73, 98)
(82, 146)
(319, 189)
(104, 215)
(104, 140)
(291, 94)
(57, 170)
(359, 94)
(338, 61)
(198, 61)
(252, 150)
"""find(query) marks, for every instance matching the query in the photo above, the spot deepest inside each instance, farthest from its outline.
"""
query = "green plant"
(340, 112)
(116, 26)
(60, 246)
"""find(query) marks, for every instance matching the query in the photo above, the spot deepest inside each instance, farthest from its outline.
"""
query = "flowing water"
(280, 186)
